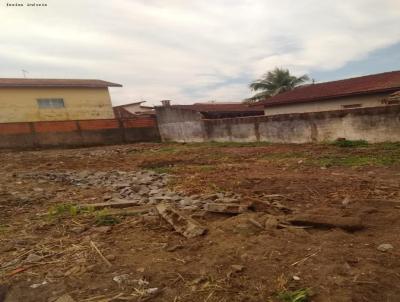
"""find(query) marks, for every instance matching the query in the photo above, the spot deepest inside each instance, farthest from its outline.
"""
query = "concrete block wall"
(78, 133)
(180, 125)
(376, 124)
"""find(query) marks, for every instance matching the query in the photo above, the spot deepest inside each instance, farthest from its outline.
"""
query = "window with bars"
(51, 103)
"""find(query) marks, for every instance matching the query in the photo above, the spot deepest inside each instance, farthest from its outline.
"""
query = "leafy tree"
(274, 82)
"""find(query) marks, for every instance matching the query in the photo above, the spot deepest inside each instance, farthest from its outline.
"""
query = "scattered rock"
(385, 247)
(111, 257)
(65, 298)
(36, 285)
(121, 279)
(186, 202)
(126, 189)
(187, 226)
(229, 208)
(346, 201)
(237, 268)
(151, 291)
(296, 278)
(32, 258)
(103, 229)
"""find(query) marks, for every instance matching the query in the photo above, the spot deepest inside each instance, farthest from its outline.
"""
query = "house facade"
(32, 100)
(360, 92)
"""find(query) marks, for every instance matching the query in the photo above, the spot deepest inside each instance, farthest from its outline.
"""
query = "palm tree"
(274, 82)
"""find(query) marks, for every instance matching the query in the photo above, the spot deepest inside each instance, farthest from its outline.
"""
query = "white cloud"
(186, 50)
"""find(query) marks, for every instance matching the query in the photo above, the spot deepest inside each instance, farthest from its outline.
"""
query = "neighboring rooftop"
(369, 84)
(18, 82)
(223, 110)
(132, 110)
(223, 107)
(134, 103)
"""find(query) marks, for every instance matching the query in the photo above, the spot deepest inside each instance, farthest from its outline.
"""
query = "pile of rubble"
(142, 187)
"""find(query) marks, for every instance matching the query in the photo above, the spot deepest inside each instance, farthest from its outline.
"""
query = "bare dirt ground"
(48, 246)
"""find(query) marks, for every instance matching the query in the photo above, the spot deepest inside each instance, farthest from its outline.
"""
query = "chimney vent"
(166, 103)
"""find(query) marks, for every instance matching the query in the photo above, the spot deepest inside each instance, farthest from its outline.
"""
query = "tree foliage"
(274, 82)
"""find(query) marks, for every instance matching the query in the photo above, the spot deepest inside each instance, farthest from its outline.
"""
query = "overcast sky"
(197, 50)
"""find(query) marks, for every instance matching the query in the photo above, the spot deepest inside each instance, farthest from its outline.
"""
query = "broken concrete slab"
(115, 203)
(350, 224)
(229, 208)
(134, 211)
(187, 226)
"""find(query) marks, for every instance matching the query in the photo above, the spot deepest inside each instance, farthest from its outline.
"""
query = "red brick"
(15, 128)
(62, 126)
(99, 124)
(139, 123)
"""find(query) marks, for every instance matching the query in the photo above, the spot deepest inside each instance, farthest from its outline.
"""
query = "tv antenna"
(24, 72)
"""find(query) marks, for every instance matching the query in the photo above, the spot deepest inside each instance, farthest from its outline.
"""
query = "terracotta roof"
(8, 82)
(215, 107)
(135, 103)
(376, 83)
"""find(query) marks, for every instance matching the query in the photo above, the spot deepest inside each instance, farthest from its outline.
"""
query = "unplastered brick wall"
(77, 133)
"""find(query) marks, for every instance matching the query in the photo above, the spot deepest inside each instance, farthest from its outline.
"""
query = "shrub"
(344, 143)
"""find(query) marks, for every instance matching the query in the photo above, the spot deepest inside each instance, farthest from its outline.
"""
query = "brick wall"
(78, 133)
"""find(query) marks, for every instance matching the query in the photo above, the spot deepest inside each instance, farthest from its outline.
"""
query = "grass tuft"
(64, 209)
(103, 217)
(300, 295)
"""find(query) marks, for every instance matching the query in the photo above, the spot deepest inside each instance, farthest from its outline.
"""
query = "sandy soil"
(43, 256)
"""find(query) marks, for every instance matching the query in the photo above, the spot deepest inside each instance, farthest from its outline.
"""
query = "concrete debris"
(152, 291)
(346, 201)
(32, 258)
(237, 268)
(121, 279)
(36, 285)
(118, 204)
(272, 222)
(350, 224)
(256, 223)
(385, 247)
(228, 208)
(128, 189)
(184, 225)
(65, 298)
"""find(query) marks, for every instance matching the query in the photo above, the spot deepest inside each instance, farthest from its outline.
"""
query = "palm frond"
(276, 81)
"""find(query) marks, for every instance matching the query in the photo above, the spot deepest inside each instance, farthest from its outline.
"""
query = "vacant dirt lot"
(49, 246)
